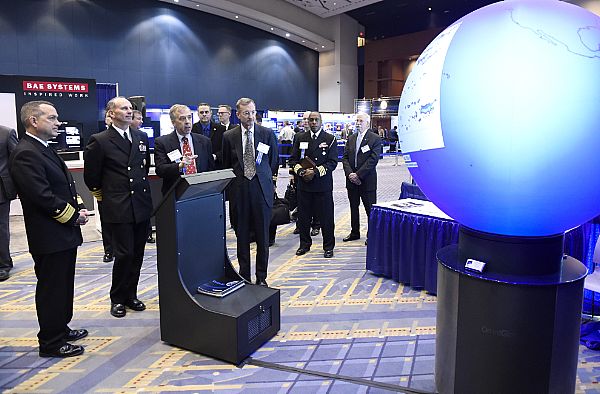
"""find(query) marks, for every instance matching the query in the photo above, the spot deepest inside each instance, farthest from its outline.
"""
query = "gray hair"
(243, 101)
(32, 108)
(175, 109)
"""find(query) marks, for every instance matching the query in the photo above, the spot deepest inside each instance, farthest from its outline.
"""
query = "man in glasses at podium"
(251, 151)
(181, 152)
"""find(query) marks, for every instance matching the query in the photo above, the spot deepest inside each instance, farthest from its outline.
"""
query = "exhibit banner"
(74, 98)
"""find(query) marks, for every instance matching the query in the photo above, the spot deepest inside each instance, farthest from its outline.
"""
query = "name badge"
(142, 147)
(264, 148)
(304, 145)
(365, 149)
(175, 155)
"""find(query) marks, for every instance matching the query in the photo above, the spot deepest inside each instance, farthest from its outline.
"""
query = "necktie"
(314, 136)
(249, 167)
(187, 151)
(357, 147)
(127, 139)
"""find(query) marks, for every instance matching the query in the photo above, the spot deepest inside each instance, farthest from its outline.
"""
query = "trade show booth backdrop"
(169, 54)
(75, 100)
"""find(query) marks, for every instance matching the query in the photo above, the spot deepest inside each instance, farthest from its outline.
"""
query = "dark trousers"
(128, 241)
(55, 274)
(321, 204)
(253, 214)
(6, 262)
(229, 193)
(368, 197)
(106, 234)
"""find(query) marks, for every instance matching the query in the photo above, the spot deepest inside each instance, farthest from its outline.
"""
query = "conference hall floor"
(335, 317)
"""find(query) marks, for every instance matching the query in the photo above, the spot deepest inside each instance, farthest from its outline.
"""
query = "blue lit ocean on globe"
(500, 118)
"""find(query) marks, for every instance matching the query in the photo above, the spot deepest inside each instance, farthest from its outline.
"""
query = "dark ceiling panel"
(389, 18)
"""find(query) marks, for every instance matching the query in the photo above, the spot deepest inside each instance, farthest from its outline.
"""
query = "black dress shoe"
(136, 305)
(315, 231)
(302, 250)
(118, 310)
(262, 282)
(108, 257)
(296, 231)
(66, 350)
(4, 274)
(74, 335)
(151, 239)
(328, 254)
(351, 237)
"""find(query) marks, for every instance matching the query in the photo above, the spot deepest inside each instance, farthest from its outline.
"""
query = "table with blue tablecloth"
(405, 235)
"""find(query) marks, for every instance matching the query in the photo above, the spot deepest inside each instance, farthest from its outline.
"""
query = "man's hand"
(83, 217)
(308, 175)
(354, 178)
(187, 160)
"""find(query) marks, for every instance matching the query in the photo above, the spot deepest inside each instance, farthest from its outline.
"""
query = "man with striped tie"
(181, 152)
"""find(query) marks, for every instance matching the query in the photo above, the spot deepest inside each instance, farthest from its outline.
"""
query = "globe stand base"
(506, 333)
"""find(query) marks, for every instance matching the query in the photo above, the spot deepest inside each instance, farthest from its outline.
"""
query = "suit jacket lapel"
(117, 139)
(237, 140)
(135, 143)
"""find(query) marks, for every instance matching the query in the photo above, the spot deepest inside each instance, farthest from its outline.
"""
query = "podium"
(191, 250)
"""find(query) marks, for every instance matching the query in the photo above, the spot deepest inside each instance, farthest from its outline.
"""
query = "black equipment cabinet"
(191, 249)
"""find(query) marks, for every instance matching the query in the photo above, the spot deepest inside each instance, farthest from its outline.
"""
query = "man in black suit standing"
(224, 113)
(181, 152)
(8, 141)
(214, 131)
(360, 159)
(53, 213)
(315, 185)
(251, 151)
(116, 167)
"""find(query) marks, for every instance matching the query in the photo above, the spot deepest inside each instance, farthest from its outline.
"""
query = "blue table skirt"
(403, 246)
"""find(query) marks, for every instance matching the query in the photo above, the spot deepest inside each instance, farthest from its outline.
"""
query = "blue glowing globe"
(499, 120)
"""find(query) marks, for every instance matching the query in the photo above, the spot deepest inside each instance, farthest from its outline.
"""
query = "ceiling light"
(176, 1)
(322, 46)
(287, 34)
(197, 5)
(271, 29)
(303, 40)
(236, 17)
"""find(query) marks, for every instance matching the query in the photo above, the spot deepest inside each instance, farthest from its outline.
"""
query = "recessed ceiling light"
(316, 48)
(271, 29)
(197, 5)
(236, 17)
(322, 46)
(177, 1)
(287, 34)
(303, 40)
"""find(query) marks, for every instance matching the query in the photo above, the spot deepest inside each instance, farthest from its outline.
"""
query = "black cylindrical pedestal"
(500, 333)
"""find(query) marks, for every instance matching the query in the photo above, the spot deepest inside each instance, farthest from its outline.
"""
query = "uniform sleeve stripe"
(65, 215)
(79, 200)
(322, 170)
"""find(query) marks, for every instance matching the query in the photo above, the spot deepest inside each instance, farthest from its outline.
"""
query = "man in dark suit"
(8, 141)
(251, 151)
(360, 159)
(214, 131)
(224, 113)
(181, 152)
(315, 185)
(116, 163)
(53, 213)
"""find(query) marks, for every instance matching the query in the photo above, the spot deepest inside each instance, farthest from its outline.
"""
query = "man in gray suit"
(8, 141)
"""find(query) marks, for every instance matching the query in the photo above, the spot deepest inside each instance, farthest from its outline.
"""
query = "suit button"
(142, 166)
(132, 192)
(128, 168)
(143, 178)
(144, 190)
(130, 180)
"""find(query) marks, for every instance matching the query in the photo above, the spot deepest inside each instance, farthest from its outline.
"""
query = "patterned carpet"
(335, 318)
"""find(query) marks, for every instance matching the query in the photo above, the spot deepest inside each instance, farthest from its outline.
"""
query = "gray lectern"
(190, 228)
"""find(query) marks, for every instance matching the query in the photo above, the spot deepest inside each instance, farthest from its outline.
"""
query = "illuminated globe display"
(499, 120)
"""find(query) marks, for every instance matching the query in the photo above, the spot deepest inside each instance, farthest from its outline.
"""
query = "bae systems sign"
(55, 89)
(74, 98)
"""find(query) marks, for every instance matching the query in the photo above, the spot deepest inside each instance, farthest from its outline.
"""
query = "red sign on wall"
(46, 86)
